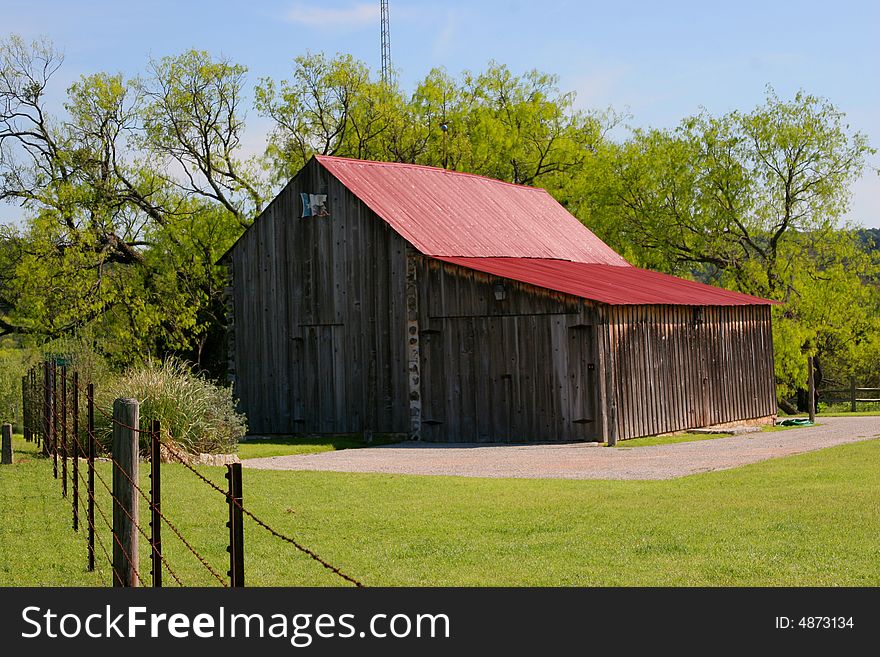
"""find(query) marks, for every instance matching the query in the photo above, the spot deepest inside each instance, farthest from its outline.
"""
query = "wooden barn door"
(433, 383)
(467, 376)
(582, 378)
(509, 378)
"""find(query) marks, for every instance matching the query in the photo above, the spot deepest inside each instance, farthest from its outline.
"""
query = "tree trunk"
(786, 407)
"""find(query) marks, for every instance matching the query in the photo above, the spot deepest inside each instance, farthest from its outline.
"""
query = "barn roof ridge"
(443, 213)
(428, 167)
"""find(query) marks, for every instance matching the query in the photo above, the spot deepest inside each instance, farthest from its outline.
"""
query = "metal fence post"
(90, 511)
(64, 431)
(126, 417)
(31, 409)
(24, 410)
(47, 412)
(35, 397)
(77, 452)
(155, 505)
(811, 389)
(32, 405)
(54, 420)
(236, 527)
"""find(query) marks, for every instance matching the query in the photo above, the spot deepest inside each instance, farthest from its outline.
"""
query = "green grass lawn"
(686, 437)
(811, 519)
(258, 448)
(822, 414)
(648, 441)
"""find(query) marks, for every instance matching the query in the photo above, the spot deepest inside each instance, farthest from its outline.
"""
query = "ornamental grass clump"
(195, 413)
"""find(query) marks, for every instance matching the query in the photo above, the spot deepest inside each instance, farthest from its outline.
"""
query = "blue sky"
(661, 61)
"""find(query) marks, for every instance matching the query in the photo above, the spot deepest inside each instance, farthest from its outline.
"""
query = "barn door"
(468, 377)
(582, 393)
(433, 382)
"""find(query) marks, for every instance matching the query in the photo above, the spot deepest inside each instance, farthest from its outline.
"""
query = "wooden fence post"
(7, 445)
(236, 527)
(126, 416)
(852, 394)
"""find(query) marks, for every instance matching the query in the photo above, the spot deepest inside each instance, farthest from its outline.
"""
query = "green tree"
(516, 128)
(129, 198)
(193, 123)
(751, 201)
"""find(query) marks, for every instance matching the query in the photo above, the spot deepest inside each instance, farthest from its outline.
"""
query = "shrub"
(197, 414)
(13, 365)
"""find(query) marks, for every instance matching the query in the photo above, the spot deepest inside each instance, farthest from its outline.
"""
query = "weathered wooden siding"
(320, 316)
(339, 326)
(518, 369)
(672, 368)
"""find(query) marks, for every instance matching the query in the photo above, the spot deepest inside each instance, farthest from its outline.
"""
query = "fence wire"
(310, 553)
(138, 526)
(44, 421)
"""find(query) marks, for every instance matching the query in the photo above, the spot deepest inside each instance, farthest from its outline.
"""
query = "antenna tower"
(386, 43)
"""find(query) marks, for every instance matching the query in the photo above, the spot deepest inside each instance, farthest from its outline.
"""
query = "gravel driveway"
(581, 460)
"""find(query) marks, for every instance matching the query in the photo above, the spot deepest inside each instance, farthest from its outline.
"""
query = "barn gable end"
(316, 300)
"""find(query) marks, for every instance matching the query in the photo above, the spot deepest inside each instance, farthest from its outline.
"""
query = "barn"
(394, 298)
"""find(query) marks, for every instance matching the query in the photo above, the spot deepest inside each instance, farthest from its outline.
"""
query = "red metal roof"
(449, 213)
(512, 231)
(607, 283)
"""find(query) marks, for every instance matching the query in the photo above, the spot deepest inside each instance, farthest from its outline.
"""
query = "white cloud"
(317, 16)
(445, 41)
(599, 87)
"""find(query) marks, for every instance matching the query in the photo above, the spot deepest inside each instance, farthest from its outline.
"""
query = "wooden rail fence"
(853, 394)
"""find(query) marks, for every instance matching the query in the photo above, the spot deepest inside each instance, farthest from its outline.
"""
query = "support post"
(811, 389)
(77, 451)
(852, 394)
(90, 483)
(236, 528)
(64, 431)
(6, 458)
(155, 505)
(126, 416)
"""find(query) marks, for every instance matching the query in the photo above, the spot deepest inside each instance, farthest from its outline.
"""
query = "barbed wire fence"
(52, 414)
